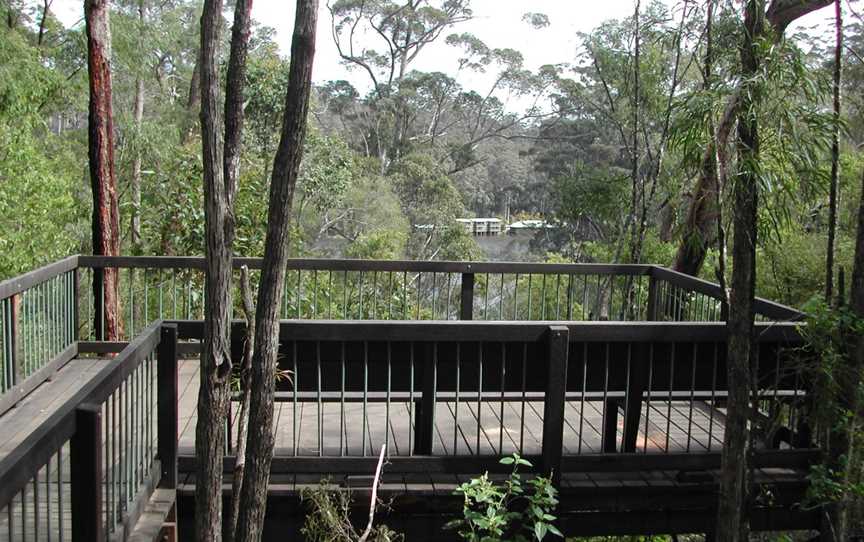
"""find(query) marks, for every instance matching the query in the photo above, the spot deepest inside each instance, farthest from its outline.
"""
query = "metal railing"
(464, 392)
(43, 313)
(38, 327)
(173, 288)
(86, 471)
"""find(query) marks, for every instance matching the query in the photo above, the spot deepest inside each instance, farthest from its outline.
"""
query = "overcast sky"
(497, 22)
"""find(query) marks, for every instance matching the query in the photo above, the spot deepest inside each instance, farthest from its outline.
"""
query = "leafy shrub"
(514, 510)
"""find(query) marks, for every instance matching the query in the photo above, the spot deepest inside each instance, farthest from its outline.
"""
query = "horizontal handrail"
(21, 283)
(17, 467)
(763, 307)
(325, 264)
(110, 473)
(503, 331)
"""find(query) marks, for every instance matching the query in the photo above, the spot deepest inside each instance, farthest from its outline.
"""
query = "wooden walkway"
(46, 501)
(494, 428)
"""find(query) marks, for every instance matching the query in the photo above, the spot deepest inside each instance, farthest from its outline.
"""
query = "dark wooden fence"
(642, 348)
(86, 473)
(172, 288)
(455, 396)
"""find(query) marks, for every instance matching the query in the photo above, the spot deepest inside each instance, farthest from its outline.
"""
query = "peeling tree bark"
(286, 166)
(100, 133)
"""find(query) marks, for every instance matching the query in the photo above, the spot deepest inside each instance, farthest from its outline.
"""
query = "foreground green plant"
(509, 511)
(329, 518)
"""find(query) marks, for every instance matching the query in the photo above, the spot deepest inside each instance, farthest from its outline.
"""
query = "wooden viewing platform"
(611, 378)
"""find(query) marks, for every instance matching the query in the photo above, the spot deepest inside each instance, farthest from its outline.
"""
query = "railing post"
(610, 426)
(99, 303)
(76, 316)
(425, 423)
(15, 369)
(167, 406)
(86, 474)
(651, 309)
(466, 309)
(637, 376)
(554, 401)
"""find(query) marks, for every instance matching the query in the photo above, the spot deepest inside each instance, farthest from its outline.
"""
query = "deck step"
(157, 522)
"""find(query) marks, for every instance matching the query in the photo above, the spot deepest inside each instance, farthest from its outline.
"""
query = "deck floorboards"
(496, 428)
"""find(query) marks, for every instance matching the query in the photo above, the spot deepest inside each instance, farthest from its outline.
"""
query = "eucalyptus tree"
(616, 113)
(402, 30)
(100, 133)
(220, 157)
(286, 167)
(760, 26)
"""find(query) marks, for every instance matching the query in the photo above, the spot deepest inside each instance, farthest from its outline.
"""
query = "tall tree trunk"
(732, 521)
(138, 116)
(214, 391)
(835, 151)
(220, 187)
(285, 169)
(100, 133)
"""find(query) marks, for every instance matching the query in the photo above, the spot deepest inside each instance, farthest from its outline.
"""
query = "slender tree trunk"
(235, 84)
(214, 391)
(732, 520)
(843, 455)
(637, 189)
(219, 190)
(243, 417)
(46, 5)
(835, 151)
(138, 116)
(100, 132)
(193, 103)
(285, 169)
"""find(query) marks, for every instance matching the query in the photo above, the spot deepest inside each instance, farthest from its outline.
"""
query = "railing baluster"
(503, 387)
(479, 394)
(320, 404)
(365, 418)
(342, 400)
(456, 405)
(633, 402)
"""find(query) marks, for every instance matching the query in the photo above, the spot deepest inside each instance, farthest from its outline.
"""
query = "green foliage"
(41, 218)
(515, 510)
(832, 334)
(329, 518)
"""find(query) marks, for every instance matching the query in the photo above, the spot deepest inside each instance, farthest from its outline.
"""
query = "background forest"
(608, 147)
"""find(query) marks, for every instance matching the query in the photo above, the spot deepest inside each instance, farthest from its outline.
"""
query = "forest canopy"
(607, 147)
